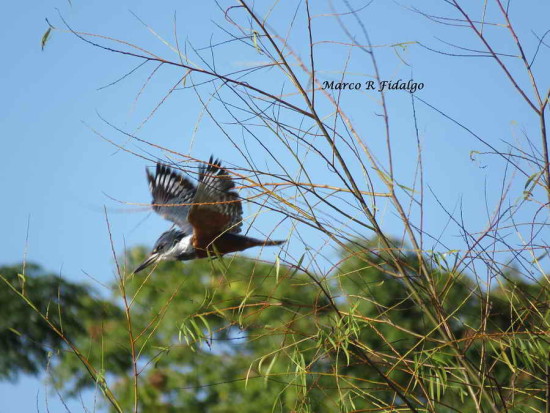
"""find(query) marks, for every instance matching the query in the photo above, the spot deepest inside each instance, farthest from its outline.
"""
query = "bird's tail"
(253, 242)
(269, 242)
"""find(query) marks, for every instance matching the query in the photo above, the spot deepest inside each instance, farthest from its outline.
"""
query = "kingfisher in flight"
(208, 216)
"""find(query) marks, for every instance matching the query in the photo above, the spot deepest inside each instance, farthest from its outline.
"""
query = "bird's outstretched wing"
(172, 195)
(217, 208)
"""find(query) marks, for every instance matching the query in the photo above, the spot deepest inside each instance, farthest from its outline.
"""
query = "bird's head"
(163, 248)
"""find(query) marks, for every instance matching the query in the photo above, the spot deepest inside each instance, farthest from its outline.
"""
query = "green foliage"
(26, 340)
(221, 335)
(234, 334)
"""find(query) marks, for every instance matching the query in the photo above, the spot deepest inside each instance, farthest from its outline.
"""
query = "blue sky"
(57, 174)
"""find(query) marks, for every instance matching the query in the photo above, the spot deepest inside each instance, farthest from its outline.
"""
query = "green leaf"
(255, 35)
(13, 330)
(46, 37)
(277, 268)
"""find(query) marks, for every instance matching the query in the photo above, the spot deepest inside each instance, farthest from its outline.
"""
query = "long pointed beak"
(151, 260)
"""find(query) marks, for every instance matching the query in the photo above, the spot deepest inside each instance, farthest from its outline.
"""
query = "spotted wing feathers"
(173, 195)
(217, 207)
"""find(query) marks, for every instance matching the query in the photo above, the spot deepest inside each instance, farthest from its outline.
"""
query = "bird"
(208, 217)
